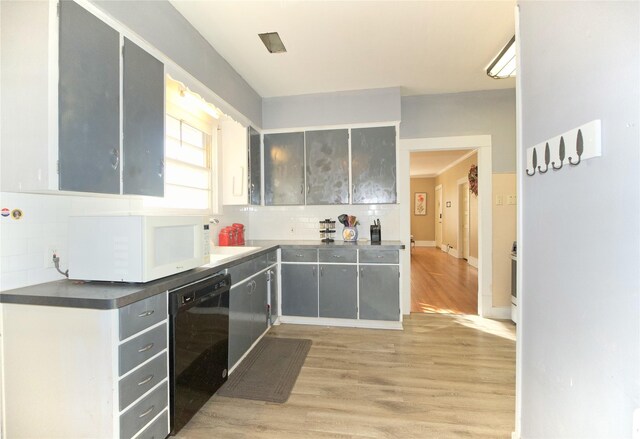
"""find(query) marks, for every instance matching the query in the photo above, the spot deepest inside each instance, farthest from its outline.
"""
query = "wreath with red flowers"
(473, 179)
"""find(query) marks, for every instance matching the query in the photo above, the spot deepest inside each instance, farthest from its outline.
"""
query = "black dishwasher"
(199, 339)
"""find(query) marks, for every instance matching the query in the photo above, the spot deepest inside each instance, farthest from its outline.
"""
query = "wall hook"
(579, 148)
(534, 160)
(560, 155)
(547, 158)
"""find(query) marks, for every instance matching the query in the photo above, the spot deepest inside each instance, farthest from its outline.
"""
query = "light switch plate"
(511, 199)
(499, 200)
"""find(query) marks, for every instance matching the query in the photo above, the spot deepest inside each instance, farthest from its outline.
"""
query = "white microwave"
(136, 248)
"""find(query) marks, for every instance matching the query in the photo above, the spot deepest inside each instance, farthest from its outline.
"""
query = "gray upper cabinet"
(327, 166)
(143, 116)
(373, 165)
(255, 186)
(284, 169)
(89, 102)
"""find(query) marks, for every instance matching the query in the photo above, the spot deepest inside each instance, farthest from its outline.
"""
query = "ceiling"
(431, 163)
(424, 47)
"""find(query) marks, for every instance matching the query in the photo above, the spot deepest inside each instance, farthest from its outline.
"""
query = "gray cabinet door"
(143, 122)
(299, 290)
(338, 292)
(284, 169)
(327, 166)
(254, 173)
(373, 165)
(240, 321)
(273, 293)
(379, 292)
(259, 305)
(89, 102)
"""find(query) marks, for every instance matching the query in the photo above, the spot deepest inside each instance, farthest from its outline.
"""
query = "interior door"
(439, 216)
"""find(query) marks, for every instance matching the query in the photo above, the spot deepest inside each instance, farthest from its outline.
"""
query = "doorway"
(464, 227)
(439, 216)
(482, 143)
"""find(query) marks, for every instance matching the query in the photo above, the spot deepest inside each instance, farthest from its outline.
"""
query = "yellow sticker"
(16, 214)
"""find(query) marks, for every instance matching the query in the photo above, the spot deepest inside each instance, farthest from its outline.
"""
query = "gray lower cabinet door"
(338, 292)
(284, 169)
(259, 305)
(273, 294)
(240, 321)
(327, 166)
(88, 102)
(254, 173)
(299, 290)
(143, 122)
(373, 165)
(379, 292)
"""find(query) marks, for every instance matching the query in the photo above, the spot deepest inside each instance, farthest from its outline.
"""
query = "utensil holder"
(350, 234)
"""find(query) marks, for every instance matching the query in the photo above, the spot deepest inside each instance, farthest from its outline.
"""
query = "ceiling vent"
(272, 42)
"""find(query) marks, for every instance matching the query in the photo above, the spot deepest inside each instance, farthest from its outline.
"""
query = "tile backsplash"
(24, 243)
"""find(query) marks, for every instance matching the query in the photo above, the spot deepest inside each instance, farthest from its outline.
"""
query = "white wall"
(579, 335)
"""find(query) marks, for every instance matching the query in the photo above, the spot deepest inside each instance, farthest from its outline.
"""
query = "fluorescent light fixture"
(504, 65)
(272, 42)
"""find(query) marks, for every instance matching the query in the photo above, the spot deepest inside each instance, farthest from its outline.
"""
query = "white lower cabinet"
(74, 372)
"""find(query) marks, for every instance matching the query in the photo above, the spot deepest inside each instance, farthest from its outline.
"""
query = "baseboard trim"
(425, 243)
(454, 252)
(499, 313)
(345, 323)
(473, 261)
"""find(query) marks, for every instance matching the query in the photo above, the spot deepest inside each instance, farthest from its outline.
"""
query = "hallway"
(441, 283)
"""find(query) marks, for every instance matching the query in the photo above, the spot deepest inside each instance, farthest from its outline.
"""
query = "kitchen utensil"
(343, 220)
(376, 232)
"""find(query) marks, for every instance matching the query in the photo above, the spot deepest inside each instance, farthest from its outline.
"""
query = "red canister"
(239, 228)
(224, 237)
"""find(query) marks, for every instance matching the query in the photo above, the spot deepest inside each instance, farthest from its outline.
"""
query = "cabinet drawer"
(139, 382)
(337, 255)
(299, 255)
(379, 256)
(140, 315)
(159, 429)
(145, 410)
(141, 348)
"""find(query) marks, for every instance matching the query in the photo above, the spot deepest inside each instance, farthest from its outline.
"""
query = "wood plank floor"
(444, 376)
(441, 283)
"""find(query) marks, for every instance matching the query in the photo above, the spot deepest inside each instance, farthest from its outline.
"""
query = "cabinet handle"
(313, 269)
(302, 188)
(354, 189)
(149, 410)
(115, 158)
(146, 313)
(308, 188)
(321, 271)
(299, 256)
(146, 348)
(161, 168)
(337, 256)
(362, 272)
(146, 380)
(380, 256)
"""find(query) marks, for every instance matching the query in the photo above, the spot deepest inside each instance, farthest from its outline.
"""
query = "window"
(189, 153)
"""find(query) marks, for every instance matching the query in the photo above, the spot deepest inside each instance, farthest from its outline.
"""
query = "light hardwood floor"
(444, 376)
(441, 283)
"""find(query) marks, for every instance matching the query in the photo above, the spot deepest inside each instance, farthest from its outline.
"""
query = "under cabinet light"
(504, 65)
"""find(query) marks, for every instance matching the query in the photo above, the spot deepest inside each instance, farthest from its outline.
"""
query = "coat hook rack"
(587, 141)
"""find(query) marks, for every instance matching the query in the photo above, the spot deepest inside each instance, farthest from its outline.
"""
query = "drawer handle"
(337, 256)
(149, 410)
(299, 256)
(380, 256)
(361, 272)
(146, 380)
(146, 348)
(146, 313)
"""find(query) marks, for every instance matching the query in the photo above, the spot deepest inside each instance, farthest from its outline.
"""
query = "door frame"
(485, 222)
(461, 251)
(438, 191)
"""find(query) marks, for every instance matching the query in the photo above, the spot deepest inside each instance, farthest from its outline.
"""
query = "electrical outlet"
(499, 200)
(292, 230)
(511, 199)
(48, 256)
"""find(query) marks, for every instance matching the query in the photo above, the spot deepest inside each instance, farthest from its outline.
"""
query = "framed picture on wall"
(420, 203)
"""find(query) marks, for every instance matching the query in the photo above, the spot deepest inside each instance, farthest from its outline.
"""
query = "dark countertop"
(113, 295)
